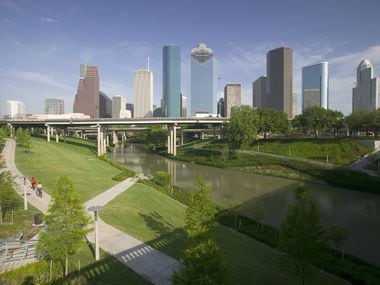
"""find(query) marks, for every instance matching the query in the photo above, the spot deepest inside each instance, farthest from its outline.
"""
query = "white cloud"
(48, 20)
(40, 78)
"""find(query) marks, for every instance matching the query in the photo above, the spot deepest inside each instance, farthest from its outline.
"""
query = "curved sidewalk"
(148, 262)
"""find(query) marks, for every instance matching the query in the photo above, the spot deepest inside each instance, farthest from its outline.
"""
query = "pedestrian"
(33, 183)
(39, 189)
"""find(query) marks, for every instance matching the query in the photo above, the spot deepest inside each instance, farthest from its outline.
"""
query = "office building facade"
(54, 106)
(105, 106)
(171, 81)
(232, 97)
(15, 109)
(315, 85)
(87, 97)
(143, 93)
(365, 96)
(280, 80)
(183, 106)
(119, 107)
(259, 92)
(203, 97)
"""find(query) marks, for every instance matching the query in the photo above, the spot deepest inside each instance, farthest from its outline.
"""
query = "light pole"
(25, 200)
(96, 209)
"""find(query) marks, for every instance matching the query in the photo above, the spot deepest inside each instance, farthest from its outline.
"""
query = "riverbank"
(261, 163)
(158, 220)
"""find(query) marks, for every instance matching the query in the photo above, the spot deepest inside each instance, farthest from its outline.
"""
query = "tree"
(162, 178)
(23, 139)
(272, 121)
(338, 237)
(66, 224)
(9, 199)
(157, 136)
(301, 237)
(201, 262)
(243, 126)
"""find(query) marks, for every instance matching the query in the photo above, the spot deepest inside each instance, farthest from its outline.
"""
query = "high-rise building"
(295, 104)
(183, 106)
(131, 108)
(87, 97)
(203, 98)
(15, 109)
(366, 95)
(280, 80)
(143, 93)
(259, 92)
(105, 106)
(315, 85)
(119, 107)
(232, 97)
(220, 107)
(54, 106)
(171, 81)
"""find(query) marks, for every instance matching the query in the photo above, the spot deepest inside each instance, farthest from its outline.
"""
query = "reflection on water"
(358, 213)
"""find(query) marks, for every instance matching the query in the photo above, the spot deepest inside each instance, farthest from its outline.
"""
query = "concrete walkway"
(8, 153)
(363, 162)
(148, 262)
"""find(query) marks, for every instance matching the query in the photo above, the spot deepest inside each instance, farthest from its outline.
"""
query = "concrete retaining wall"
(370, 143)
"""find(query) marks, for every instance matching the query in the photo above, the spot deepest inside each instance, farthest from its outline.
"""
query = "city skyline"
(42, 44)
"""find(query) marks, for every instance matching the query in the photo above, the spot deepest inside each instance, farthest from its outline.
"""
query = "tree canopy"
(202, 262)
(66, 223)
(272, 121)
(243, 126)
(301, 236)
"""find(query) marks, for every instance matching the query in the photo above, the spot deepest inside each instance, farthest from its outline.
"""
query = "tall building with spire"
(87, 97)
(365, 96)
(280, 80)
(143, 93)
(203, 97)
(171, 81)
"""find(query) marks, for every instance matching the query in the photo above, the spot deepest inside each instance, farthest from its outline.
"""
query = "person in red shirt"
(33, 182)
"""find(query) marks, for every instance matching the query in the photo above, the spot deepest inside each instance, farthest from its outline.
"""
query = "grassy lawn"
(108, 270)
(157, 219)
(48, 161)
(339, 151)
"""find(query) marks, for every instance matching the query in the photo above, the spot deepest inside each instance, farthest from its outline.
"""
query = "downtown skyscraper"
(315, 85)
(171, 81)
(232, 98)
(203, 97)
(87, 97)
(280, 80)
(143, 93)
(366, 95)
(54, 106)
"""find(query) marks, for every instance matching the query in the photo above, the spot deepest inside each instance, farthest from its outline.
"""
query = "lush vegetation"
(364, 122)
(83, 269)
(48, 161)
(66, 223)
(159, 220)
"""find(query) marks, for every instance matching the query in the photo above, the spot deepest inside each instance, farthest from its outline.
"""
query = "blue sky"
(43, 42)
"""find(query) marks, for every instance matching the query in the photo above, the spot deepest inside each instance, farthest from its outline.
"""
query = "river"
(357, 212)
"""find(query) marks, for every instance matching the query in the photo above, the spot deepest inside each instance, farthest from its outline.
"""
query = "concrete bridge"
(103, 128)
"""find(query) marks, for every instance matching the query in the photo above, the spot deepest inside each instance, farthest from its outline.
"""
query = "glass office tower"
(171, 81)
(315, 85)
(203, 98)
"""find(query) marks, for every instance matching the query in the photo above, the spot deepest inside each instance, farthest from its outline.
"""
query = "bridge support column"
(174, 140)
(56, 136)
(107, 140)
(181, 138)
(104, 143)
(169, 139)
(11, 130)
(48, 133)
(99, 140)
(115, 140)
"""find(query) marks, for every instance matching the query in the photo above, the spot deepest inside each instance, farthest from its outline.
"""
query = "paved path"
(363, 162)
(9, 156)
(148, 262)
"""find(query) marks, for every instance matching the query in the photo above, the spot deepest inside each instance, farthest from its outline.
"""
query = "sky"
(43, 42)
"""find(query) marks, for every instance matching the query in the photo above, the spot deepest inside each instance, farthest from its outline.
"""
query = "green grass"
(108, 270)
(157, 219)
(48, 161)
(339, 151)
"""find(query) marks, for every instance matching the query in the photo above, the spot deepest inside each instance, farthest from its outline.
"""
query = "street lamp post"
(96, 209)
(25, 200)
